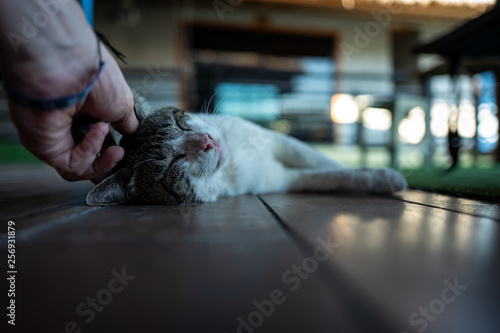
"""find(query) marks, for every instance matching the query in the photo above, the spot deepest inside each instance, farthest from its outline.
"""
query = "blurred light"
(424, 3)
(283, 126)
(464, 232)
(449, 3)
(344, 227)
(364, 101)
(377, 119)
(344, 109)
(453, 118)
(488, 126)
(467, 120)
(348, 4)
(376, 233)
(409, 229)
(436, 226)
(485, 109)
(412, 128)
(439, 119)
(487, 129)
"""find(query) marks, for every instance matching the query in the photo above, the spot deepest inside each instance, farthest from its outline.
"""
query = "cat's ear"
(141, 106)
(111, 191)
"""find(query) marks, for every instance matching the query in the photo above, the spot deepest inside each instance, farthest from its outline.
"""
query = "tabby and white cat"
(177, 158)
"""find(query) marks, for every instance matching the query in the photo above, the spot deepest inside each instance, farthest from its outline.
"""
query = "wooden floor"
(272, 263)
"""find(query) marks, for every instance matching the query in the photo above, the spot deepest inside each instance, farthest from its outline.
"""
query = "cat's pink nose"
(206, 142)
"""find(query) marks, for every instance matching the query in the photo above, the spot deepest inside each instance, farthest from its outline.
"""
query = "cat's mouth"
(222, 153)
(221, 150)
(210, 143)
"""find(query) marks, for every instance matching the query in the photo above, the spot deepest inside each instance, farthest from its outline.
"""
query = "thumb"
(127, 124)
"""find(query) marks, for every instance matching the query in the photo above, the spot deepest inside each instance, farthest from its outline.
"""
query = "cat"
(176, 157)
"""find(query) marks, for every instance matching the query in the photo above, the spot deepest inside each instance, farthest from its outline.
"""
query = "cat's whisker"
(212, 119)
(151, 159)
(217, 106)
(150, 154)
(210, 101)
(216, 123)
(203, 108)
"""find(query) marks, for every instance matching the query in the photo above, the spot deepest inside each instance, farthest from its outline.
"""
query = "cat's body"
(176, 157)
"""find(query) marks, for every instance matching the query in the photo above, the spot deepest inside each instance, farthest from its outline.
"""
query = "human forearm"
(46, 42)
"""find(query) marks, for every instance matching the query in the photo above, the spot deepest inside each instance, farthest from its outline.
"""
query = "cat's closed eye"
(180, 120)
(183, 126)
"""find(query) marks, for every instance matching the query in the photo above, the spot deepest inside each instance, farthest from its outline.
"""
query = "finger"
(83, 155)
(128, 124)
(104, 164)
(108, 142)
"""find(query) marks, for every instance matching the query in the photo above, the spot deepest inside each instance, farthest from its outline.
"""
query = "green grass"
(479, 183)
(15, 153)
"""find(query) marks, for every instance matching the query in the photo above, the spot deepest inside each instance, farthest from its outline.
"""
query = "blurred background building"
(325, 71)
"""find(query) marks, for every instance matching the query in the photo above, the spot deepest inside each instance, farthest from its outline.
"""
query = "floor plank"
(196, 269)
(468, 206)
(396, 255)
(28, 190)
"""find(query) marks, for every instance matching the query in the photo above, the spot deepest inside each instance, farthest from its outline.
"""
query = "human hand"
(62, 62)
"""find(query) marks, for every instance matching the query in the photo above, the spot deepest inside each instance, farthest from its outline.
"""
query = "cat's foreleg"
(366, 179)
(294, 153)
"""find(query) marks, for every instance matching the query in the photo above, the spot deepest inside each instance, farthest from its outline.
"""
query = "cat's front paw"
(387, 181)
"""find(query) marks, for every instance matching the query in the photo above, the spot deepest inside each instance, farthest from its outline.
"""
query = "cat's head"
(172, 154)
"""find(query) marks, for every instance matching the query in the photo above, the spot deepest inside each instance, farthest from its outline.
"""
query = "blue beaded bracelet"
(49, 104)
